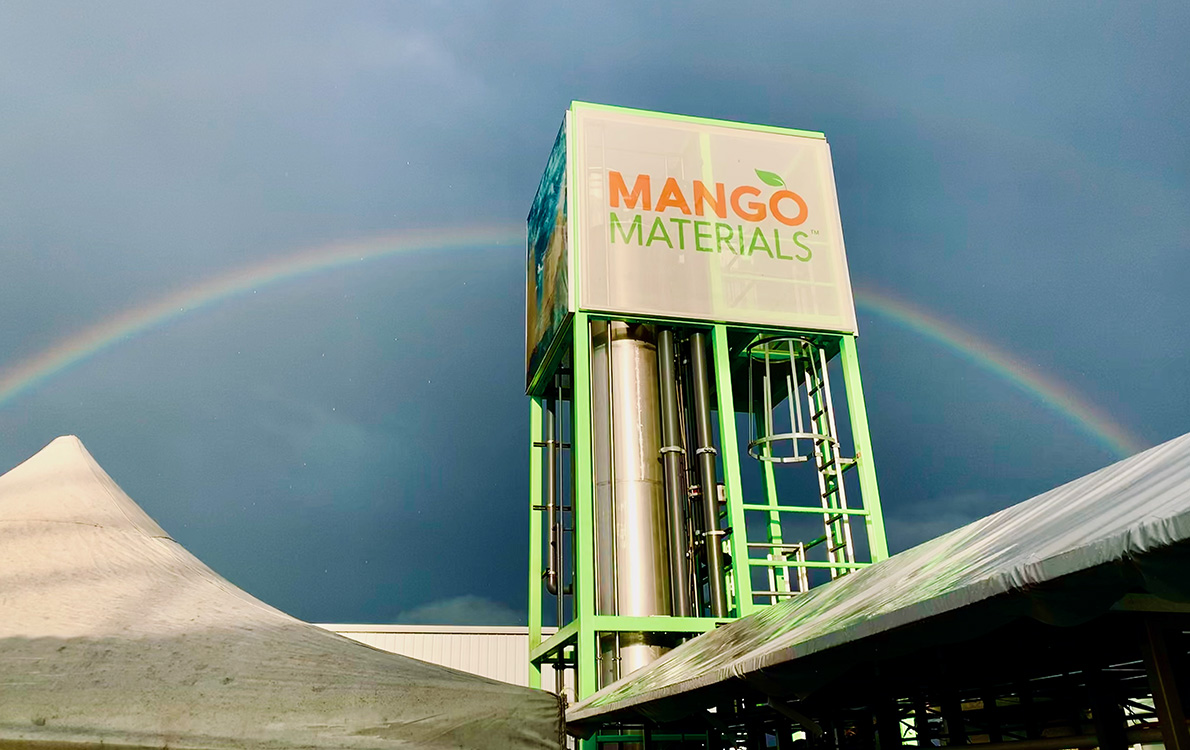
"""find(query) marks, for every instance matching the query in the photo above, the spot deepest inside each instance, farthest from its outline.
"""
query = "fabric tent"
(113, 635)
(1063, 557)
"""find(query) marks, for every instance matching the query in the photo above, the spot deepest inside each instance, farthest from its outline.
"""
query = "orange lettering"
(671, 195)
(703, 196)
(757, 211)
(775, 202)
(639, 194)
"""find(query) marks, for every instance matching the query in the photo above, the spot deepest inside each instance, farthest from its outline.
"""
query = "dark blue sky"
(351, 446)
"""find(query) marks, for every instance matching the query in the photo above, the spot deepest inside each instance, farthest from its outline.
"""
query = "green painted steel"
(857, 408)
(803, 509)
(809, 563)
(581, 634)
(585, 593)
(565, 636)
(578, 640)
(729, 448)
(535, 527)
(702, 120)
(780, 580)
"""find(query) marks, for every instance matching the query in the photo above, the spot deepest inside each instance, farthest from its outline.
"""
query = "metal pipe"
(675, 478)
(551, 494)
(706, 472)
(602, 429)
(632, 539)
(689, 478)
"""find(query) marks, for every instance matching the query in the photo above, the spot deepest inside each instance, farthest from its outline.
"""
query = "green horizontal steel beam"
(805, 509)
(758, 563)
(622, 624)
(564, 637)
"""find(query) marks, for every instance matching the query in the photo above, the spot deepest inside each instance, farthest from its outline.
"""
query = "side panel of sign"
(710, 222)
(547, 295)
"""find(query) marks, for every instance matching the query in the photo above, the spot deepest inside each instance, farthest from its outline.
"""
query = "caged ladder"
(791, 372)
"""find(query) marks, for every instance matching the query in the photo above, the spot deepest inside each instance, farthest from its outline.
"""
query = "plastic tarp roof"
(113, 635)
(1136, 511)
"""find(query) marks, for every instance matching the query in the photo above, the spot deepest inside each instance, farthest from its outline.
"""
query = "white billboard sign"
(679, 217)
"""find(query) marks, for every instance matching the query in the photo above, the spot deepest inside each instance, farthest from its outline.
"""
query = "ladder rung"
(802, 509)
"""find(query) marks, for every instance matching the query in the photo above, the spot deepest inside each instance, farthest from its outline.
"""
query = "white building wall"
(501, 653)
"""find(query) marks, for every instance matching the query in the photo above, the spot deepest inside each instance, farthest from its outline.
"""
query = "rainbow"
(1054, 394)
(40, 367)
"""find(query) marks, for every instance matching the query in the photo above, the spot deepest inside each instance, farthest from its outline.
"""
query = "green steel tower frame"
(755, 517)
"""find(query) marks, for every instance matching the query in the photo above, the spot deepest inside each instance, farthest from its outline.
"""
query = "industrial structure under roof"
(1057, 623)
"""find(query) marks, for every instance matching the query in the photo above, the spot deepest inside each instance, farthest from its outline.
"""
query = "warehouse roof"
(1064, 556)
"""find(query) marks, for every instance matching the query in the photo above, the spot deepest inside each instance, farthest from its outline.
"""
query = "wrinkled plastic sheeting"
(1136, 510)
(113, 634)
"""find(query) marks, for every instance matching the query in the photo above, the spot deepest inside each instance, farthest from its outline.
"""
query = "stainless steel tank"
(632, 547)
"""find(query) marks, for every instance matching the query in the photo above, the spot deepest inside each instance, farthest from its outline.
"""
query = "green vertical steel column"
(877, 542)
(729, 452)
(535, 567)
(584, 509)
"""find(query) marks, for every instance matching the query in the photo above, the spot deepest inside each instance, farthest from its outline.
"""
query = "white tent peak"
(112, 633)
(62, 483)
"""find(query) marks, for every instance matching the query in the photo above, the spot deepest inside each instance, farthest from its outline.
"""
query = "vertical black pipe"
(706, 471)
(551, 494)
(675, 478)
(690, 481)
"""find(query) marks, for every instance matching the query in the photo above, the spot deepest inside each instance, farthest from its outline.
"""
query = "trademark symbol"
(813, 231)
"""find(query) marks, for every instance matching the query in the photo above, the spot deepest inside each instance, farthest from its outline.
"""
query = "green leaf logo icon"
(769, 178)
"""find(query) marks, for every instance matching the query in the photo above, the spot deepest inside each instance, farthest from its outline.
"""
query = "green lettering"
(614, 221)
(658, 231)
(723, 234)
(797, 240)
(777, 244)
(681, 232)
(759, 242)
(699, 236)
